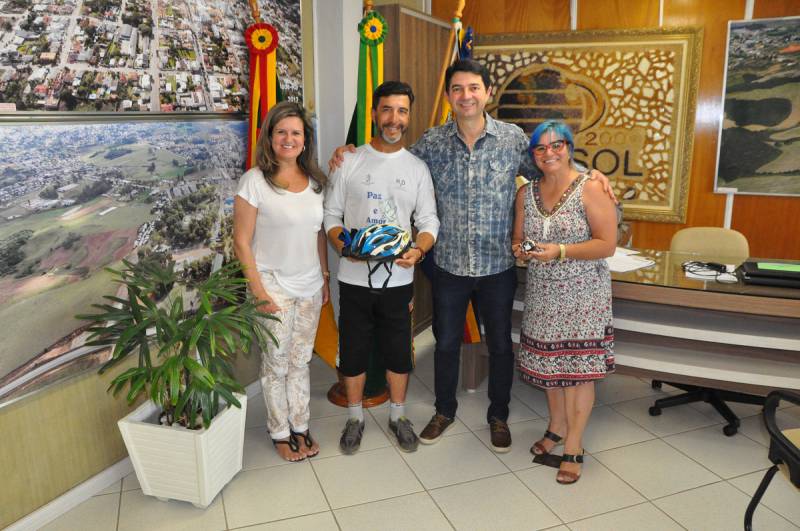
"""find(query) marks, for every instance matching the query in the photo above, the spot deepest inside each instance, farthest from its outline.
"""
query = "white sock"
(356, 411)
(396, 411)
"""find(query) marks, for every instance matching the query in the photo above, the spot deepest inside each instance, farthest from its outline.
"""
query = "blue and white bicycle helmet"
(380, 243)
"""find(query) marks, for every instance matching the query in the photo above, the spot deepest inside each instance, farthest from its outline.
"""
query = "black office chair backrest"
(784, 451)
(783, 444)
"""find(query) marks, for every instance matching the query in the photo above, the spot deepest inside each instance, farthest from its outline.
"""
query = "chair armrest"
(781, 449)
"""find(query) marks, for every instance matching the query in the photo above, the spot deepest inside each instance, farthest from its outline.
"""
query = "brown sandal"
(539, 449)
(307, 441)
(567, 477)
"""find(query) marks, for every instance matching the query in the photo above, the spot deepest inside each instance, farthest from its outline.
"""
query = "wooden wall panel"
(507, 16)
(773, 8)
(521, 16)
(423, 70)
(768, 222)
(391, 64)
(414, 35)
(617, 14)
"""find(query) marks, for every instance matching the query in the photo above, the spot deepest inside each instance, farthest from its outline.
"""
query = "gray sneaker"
(351, 436)
(404, 431)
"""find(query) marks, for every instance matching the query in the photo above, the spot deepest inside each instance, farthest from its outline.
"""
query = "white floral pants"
(285, 376)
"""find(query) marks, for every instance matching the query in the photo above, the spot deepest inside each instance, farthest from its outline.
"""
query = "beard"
(390, 139)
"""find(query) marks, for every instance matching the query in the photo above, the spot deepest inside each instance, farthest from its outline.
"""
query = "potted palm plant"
(186, 441)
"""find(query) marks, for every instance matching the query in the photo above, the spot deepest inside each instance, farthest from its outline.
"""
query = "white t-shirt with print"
(285, 237)
(375, 187)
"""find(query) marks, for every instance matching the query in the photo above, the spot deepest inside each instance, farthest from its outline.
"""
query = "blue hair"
(560, 129)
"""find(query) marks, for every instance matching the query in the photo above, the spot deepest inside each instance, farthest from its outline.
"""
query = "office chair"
(724, 243)
(712, 241)
(784, 451)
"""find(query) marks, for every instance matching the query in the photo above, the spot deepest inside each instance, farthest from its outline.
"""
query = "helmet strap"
(372, 269)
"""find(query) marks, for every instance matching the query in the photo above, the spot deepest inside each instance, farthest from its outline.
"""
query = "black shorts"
(371, 320)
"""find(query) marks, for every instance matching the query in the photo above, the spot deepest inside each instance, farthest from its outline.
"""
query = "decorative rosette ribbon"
(262, 41)
(372, 31)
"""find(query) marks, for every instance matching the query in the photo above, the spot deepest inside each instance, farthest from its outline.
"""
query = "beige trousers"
(285, 377)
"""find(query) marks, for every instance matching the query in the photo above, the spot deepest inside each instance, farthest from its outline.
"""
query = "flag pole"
(254, 10)
(447, 61)
(372, 30)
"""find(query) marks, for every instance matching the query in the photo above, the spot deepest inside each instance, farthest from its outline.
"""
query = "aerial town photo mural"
(137, 55)
(98, 182)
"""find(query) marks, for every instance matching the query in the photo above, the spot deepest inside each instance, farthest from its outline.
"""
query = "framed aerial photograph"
(147, 56)
(759, 141)
(78, 197)
(628, 95)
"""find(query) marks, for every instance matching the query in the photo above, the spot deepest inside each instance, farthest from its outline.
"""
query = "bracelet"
(326, 274)
(562, 251)
(421, 253)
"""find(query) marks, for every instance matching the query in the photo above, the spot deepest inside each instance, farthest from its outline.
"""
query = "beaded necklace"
(539, 204)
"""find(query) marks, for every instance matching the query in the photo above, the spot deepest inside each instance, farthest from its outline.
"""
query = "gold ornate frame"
(629, 96)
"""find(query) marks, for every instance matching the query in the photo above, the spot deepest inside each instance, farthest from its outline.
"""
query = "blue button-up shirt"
(475, 193)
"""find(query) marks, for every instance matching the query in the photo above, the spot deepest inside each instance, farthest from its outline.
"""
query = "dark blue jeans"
(451, 294)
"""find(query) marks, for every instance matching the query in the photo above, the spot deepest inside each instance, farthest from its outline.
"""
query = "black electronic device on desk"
(771, 273)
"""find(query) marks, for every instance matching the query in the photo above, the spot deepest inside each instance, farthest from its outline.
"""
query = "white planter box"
(172, 462)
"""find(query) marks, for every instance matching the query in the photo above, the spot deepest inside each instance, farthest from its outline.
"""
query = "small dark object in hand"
(529, 246)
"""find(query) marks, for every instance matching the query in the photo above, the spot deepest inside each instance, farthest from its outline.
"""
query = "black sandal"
(293, 446)
(539, 446)
(570, 477)
(307, 441)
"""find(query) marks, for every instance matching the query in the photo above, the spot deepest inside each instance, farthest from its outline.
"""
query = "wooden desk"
(737, 337)
(668, 327)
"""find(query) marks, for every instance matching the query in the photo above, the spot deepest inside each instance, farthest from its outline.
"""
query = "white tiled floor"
(675, 471)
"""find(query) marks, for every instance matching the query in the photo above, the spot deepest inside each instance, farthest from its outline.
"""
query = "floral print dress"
(567, 329)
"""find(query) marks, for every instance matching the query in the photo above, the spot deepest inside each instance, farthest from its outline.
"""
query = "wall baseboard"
(74, 497)
(253, 389)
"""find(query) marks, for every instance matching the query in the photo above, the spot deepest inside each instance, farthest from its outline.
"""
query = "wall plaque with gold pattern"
(628, 95)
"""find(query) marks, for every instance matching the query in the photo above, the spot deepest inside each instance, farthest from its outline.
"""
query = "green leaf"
(194, 348)
(175, 367)
(182, 401)
(137, 386)
(228, 396)
(199, 373)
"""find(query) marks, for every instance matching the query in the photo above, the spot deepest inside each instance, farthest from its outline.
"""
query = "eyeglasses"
(555, 147)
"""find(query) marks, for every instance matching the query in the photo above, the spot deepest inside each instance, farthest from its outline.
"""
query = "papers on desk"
(625, 260)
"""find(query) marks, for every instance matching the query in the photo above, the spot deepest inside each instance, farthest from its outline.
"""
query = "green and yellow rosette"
(262, 41)
(372, 31)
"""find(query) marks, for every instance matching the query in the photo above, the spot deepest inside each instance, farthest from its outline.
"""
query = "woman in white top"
(278, 237)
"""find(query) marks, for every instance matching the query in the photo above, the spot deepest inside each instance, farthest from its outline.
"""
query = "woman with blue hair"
(564, 226)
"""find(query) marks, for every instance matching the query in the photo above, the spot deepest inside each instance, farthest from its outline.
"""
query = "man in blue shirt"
(474, 161)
